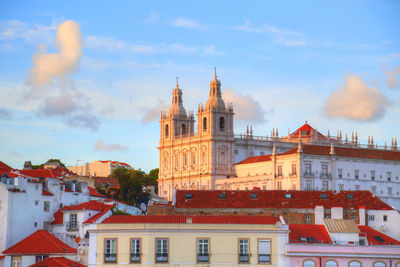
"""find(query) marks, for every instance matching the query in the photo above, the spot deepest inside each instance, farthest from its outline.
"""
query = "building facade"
(213, 157)
(102, 168)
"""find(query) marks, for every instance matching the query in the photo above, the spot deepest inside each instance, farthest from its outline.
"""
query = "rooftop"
(171, 219)
(40, 242)
(263, 199)
(57, 262)
(308, 233)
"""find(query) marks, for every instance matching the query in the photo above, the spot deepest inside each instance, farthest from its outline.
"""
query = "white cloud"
(392, 77)
(246, 108)
(356, 101)
(100, 146)
(281, 36)
(32, 33)
(189, 24)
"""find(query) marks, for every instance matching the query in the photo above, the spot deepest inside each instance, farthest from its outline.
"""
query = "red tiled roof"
(306, 131)
(93, 192)
(103, 181)
(57, 262)
(98, 215)
(90, 205)
(58, 217)
(40, 242)
(195, 219)
(210, 199)
(318, 232)
(371, 233)
(40, 173)
(4, 168)
(46, 192)
(263, 158)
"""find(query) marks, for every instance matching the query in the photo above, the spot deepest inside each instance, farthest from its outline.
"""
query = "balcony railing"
(135, 257)
(203, 257)
(161, 257)
(109, 257)
(244, 257)
(72, 226)
(264, 257)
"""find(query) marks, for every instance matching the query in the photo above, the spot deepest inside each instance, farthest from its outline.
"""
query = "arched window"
(308, 263)
(193, 159)
(185, 159)
(331, 263)
(183, 128)
(205, 124)
(222, 124)
(166, 130)
(355, 264)
(379, 264)
(398, 264)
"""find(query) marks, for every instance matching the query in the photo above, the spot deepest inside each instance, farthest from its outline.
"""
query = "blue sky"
(335, 64)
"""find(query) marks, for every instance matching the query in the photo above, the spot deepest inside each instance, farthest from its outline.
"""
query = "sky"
(86, 80)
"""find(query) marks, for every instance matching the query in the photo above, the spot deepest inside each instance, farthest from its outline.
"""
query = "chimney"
(319, 214)
(361, 216)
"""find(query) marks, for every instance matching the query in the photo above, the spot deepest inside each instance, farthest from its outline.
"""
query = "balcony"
(244, 257)
(72, 226)
(308, 174)
(135, 257)
(161, 257)
(203, 257)
(264, 258)
(108, 257)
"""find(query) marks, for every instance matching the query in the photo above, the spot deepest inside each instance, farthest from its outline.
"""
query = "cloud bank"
(356, 101)
(246, 108)
(100, 146)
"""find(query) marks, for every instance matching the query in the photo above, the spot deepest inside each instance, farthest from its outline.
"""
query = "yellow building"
(101, 168)
(188, 241)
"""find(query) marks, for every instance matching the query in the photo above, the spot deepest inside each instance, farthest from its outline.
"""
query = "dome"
(215, 100)
(177, 110)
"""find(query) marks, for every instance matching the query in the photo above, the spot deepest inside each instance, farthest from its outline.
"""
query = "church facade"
(212, 157)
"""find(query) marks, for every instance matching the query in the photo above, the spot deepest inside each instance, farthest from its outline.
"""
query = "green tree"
(131, 186)
(40, 166)
(153, 179)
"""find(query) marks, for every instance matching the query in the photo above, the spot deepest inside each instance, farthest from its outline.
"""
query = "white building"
(28, 203)
(302, 160)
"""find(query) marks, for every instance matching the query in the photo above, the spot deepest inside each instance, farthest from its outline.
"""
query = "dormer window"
(222, 195)
(254, 195)
(350, 196)
(188, 196)
(324, 196)
(288, 196)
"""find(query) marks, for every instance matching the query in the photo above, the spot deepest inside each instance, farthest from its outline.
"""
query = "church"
(213, 157)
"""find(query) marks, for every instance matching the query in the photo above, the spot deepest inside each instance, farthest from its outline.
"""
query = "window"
(35, 224)
(356, 174)
(309, 185)
(166, 130)
(203, 250)
(264, 251)
(205, 124)
(385, 218)
(373, 189)
(331, 263)
(324, 196)
(243, 250)
(280, 171)
(36, 187)
(36, 202)
(262, 153)
(341, 187)
(183, 128)
(193, 159)
(389, 176)
(379, 264)
(372, 175)
(110, 250)
(222, 195)
(279, 185)
(308, 263)
(307, 217)
(340, 173)
(371, 217)
(354, 264)
(135, 250)
(72, 225)
(236, 152)
(355, 218)
(324, 170)
(389, 191)
(40, 258)
(161, 250)
(308, 169)
(293, 169)
(324, 185)
(357, 187)
(16, 261)
(188, 196)
(222, 124)
(185, 160)
(46, 206)
(176, 161)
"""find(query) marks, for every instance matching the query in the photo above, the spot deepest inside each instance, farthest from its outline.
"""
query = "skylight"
(254, 196)
(379, 239)
(350, 196)
(324, 196)
(288, 195)
(222, 195)
(188, 196)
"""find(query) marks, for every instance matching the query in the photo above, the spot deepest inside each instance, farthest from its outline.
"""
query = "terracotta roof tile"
(57, 262)
(210, 199)
(372, 233)
(4, 168)
(104, 181)
(311, 232)
(40, 242)
(94, 218)
(90, 205)
(46, 192)
(194, 219)
(93, 192)
(306, 131)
